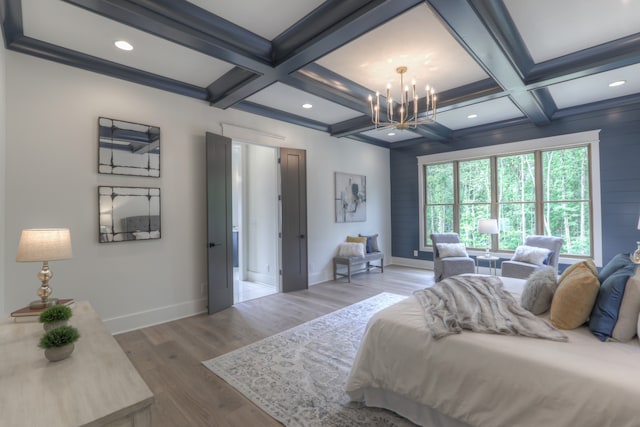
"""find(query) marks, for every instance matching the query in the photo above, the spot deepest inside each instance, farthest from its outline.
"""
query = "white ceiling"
(419, 38)
(416, 40)
(266, 18)
(552, 28)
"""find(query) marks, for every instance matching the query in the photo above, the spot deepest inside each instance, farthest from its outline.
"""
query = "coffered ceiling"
(492, 62)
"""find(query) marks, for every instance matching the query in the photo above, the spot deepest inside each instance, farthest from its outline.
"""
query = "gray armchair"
(445, 267)
(522, 270)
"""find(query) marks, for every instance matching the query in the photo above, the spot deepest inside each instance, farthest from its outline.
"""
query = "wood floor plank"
(169, 356)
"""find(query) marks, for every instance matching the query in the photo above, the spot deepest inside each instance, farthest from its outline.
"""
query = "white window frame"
(591, 138)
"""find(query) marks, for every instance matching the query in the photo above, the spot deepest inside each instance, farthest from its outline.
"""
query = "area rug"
(298, 376)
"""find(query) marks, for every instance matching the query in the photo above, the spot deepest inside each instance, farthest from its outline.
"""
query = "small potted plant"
(58, 343)
(55, 316)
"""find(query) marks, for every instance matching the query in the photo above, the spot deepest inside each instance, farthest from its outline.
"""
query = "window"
(543, 191)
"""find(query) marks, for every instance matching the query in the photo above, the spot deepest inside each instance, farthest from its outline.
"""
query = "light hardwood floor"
(169, 356)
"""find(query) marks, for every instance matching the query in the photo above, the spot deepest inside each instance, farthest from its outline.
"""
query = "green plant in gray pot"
(58, 342)
(55, 316)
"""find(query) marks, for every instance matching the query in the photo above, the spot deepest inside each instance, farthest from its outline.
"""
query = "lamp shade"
(488, 226)
(44, 244)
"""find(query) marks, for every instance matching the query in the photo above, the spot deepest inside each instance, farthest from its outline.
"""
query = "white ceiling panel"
(596, 87)
(266, 18)
(391, 135)
(288, 99)
(486, 112)
(416, 40)
(94, 35)
(552, 28)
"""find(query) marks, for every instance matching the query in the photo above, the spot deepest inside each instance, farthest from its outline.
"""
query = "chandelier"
(402, 119)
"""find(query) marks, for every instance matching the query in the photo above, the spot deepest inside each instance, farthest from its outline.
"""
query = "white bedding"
(495, 380)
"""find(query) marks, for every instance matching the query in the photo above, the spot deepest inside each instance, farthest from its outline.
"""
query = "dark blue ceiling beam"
(11, 11)
(369, 140)
(91, 63)
(329, 16)
(605, 57)
(280, 115)
(351, 126)
(350, 28)
(479, 36)
(229, 81)
(176, 28)
(598, 106)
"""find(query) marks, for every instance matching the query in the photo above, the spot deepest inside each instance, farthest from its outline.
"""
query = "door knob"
(211, 245)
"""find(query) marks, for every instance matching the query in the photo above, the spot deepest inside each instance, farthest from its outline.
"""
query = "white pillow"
(447, 250)
(350, 249)
(530, 254)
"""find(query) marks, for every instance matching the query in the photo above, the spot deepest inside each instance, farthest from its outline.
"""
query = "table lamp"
(44, 245)
(488, 226)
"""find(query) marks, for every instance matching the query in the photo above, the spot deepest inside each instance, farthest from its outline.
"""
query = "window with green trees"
(538, 192)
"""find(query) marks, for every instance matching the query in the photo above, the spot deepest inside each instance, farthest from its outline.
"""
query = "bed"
(485, 380)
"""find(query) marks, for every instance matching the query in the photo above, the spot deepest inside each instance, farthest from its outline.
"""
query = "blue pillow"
(604, 315)
(617, 262)
(368, 244)
(547, 260)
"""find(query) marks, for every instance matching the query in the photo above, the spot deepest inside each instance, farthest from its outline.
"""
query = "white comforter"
(494, 380)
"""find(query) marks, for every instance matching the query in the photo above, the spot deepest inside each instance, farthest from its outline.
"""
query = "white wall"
(261, 207)
(52, 179)
(3, 127)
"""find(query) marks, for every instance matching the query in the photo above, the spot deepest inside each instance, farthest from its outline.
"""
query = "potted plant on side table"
(58, 343)
(55, 316)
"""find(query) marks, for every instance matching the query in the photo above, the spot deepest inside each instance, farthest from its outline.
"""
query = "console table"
(96, 386)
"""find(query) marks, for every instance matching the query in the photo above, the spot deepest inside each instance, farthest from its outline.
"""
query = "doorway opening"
(255, 221)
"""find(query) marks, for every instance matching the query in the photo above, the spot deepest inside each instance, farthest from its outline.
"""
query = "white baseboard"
(410, 262)
(130, 322)
(266, 278)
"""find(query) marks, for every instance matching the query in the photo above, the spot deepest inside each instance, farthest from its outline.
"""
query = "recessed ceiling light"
(472, 116)
(617, 83)
(124, 45)
(391, 134)
(307, 105)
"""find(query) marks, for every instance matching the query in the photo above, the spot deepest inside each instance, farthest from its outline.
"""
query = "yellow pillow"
(576, 294)
(353, 239)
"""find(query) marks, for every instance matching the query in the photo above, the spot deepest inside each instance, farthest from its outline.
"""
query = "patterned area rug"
(298, 376)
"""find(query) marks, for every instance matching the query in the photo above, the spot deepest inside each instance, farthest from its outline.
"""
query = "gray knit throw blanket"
(479, 304)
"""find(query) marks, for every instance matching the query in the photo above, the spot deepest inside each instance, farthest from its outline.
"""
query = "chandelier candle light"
(403, 120)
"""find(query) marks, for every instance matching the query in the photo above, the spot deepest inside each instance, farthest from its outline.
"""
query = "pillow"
(617, 262)
(353, 239)
(447, 250)
(350, 249)
(547, 260)
(576, 294)
(629, 310)
(372, 243)
(617, 306)
(530, 254)
(538, 291)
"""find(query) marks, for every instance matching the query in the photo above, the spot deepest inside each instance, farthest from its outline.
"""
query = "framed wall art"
(128, 213)
(126, 148)
(350, 197)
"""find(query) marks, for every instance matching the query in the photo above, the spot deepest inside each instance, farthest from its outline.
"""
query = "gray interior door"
(219, 227)
(293, 173)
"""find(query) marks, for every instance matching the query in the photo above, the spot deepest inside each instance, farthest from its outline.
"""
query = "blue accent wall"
(619, 175)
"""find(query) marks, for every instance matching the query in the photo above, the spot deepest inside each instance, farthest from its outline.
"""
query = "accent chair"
(522, 270)
(449, 266)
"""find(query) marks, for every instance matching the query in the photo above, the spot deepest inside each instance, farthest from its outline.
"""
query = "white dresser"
(96, 386)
